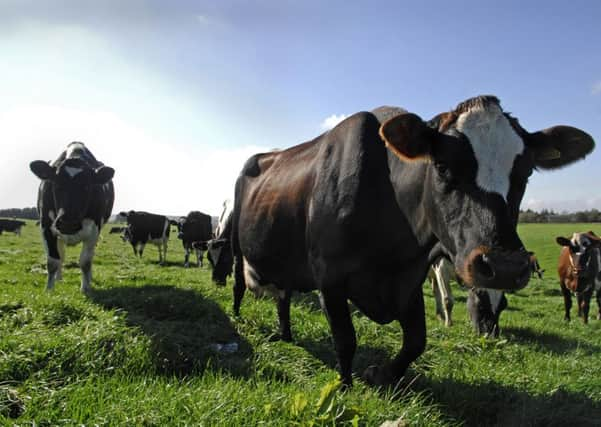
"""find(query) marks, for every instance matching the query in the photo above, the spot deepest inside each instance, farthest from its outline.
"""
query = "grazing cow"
(194, 230)
(580, 272)
(75, 200)
(220, 248)
(11, 225)
(144, 227)
(117, 230)
(456, 181)
(484, 305)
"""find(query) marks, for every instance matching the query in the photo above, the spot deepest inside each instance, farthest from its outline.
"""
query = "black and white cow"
(75, 200)
(142, 228)
(11, 225)
(195, 230)
(484, 306)
(220, 248)
(455, 181)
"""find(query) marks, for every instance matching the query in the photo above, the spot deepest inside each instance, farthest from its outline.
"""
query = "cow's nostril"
(483, 267)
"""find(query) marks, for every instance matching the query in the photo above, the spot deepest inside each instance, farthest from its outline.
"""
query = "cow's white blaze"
(495, 297)
(495, 146)
(72, 171)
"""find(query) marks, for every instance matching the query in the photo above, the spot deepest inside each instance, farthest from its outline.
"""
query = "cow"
(75, 200)
(484, 305)
(303, 217)
(143, 227)
(117, 230)
(579, 272)
(219, 249)
(11, 225)
(196, 228)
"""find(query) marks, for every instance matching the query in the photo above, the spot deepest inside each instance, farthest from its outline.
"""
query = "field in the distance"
(140, 351)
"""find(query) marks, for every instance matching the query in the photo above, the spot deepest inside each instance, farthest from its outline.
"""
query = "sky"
(176, 95)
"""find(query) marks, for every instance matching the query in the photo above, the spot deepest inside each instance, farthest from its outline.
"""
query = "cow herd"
(444, 194)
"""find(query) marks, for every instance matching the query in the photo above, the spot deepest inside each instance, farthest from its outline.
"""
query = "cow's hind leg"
(199, 256)
(335, 305)
(584, 304)
(413, 323)
(187, 256)
(598, 295)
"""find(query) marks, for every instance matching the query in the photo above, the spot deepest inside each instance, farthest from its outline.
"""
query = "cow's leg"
(165, 252)
(239, 284)
(284, 315)
(199, 255)
(53, 260)
(335, 305)
(413, 323)
(186, 256)
(567, 301)
(584, 301)
(598, 295)
(437, 298)
(444, 296)
(85, 262)
(60, 245)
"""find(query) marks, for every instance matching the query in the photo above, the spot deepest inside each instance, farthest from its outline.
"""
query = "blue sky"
(175, 95)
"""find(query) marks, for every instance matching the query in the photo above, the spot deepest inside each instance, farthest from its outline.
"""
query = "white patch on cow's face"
(72, 171)
(76, 146)
(581, 241)
(495, 146)
(495, 298)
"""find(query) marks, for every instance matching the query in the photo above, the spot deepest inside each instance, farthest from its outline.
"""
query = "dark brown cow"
(580, 272)
(303, 217)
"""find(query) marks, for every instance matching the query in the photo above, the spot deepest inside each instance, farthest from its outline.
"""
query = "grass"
(140, 350)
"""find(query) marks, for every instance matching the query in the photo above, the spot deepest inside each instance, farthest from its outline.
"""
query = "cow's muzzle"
(496, 269)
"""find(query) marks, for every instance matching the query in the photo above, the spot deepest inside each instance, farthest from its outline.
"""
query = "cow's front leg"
(567, 301)
(335, 305)
(284, 315)
(239, 284)
(413, 323)
(199, 256)
(85, 263)
(60, 244)
(53, 260)
(584, 304)
(186, 256)
(164, 254)
(598, 296)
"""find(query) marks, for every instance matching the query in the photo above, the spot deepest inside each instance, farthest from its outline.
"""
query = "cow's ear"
(103, 174)
(559, 146)
(562, 241)
(408, 137)
(42, 169)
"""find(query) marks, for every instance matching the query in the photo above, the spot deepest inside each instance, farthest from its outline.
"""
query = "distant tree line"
(550, 216)
(24, 213)
(528, 215)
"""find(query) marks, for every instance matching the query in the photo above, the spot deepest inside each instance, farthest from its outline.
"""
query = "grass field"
(141, 351)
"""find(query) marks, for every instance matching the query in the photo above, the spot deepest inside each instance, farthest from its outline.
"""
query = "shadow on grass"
(493, 404)
(185, 328)
(552, 343)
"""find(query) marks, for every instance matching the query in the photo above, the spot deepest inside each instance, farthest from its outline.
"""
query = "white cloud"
(150, 174)
(596, 89)
(332, 121)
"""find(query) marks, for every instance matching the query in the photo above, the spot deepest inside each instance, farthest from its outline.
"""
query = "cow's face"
(479, 160)
(72, 183)
(583, 249)
(484, 307)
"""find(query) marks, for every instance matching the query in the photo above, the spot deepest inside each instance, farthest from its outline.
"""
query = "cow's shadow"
(492, 404)
(187, 330)
(550, 342)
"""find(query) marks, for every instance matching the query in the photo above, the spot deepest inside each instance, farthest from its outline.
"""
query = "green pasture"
(141, 351)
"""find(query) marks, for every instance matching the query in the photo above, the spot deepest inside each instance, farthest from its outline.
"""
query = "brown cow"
(579, 271)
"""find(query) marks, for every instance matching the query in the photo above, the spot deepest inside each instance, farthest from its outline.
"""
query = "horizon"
(175, 97)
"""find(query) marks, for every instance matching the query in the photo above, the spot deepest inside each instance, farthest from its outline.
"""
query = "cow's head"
(484, 307)
(479, 160)
(221, 259)
(583, 248)
(72, 184)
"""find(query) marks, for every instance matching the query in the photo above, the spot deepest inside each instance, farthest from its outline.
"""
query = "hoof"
(375, 375)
